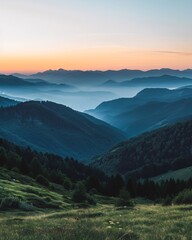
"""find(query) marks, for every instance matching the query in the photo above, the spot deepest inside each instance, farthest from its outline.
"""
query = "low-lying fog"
(81, 98)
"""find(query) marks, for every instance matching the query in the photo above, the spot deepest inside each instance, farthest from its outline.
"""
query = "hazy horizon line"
(90, 70)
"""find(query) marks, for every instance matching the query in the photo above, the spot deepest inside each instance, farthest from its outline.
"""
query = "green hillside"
(182, 174)
(31, 194)
(150, 154)
(103, 222)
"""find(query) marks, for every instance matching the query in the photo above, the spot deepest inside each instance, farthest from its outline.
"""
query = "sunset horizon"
(90, 70)
(91, 36)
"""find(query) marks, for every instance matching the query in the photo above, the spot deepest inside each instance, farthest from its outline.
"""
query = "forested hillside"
(54, 168)
(150, 154)
(55, 128)
(6, 102)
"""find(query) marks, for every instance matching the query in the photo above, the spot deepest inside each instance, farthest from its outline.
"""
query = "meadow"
(55, 217)
(102, 222)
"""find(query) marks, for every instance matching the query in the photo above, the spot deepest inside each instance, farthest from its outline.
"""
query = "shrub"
(79, 194)
(184, 197)
(42, 180)
(3, 193)
(26, 206)
(10, 203)
(15, 169)
(167, 201)
(43, 203)
(67, 184)
(91, 200)
(93, 191)
(124, 199)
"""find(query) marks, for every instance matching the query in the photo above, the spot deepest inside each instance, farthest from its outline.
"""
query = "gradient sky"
(36, 35)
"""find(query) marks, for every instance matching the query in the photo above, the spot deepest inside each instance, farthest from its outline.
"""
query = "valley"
(110, 172)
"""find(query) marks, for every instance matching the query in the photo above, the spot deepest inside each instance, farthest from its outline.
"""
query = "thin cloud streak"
(175, 52)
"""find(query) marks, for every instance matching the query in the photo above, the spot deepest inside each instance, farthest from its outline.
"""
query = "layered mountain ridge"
(51, 127)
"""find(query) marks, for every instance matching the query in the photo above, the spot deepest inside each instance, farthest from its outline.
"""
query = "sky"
(36, 35)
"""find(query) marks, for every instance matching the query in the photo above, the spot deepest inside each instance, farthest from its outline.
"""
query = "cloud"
(175, 52)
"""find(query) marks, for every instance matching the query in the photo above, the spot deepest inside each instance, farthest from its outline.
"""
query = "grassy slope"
(26, 189)
(145, 222)
(102, 222)
(182, 174)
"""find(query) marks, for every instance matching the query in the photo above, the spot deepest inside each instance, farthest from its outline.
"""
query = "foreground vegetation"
(54, 216)
(63, 207)
(146, 222)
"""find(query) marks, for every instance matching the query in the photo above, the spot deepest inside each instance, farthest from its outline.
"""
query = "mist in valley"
(84, 90)
(80, 98)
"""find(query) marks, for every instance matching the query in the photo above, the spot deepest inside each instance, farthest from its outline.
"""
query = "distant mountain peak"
(61, 70)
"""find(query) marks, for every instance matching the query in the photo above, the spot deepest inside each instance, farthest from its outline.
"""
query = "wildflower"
(111, 222)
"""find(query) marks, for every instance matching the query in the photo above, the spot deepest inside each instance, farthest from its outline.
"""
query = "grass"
(182, 174)
(102, 222)
(27, 190)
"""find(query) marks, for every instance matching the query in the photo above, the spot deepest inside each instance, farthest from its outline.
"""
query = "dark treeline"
(157, 190)
(67, 172)
(55, 168)
(136, 188)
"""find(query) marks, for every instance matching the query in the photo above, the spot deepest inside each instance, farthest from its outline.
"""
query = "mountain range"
(78, 77)
(148, 110)
(51, 127)
(168, 81)
(16, 82)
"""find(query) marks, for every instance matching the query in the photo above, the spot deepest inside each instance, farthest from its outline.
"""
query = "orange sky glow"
(96, 60)
(95, 35)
